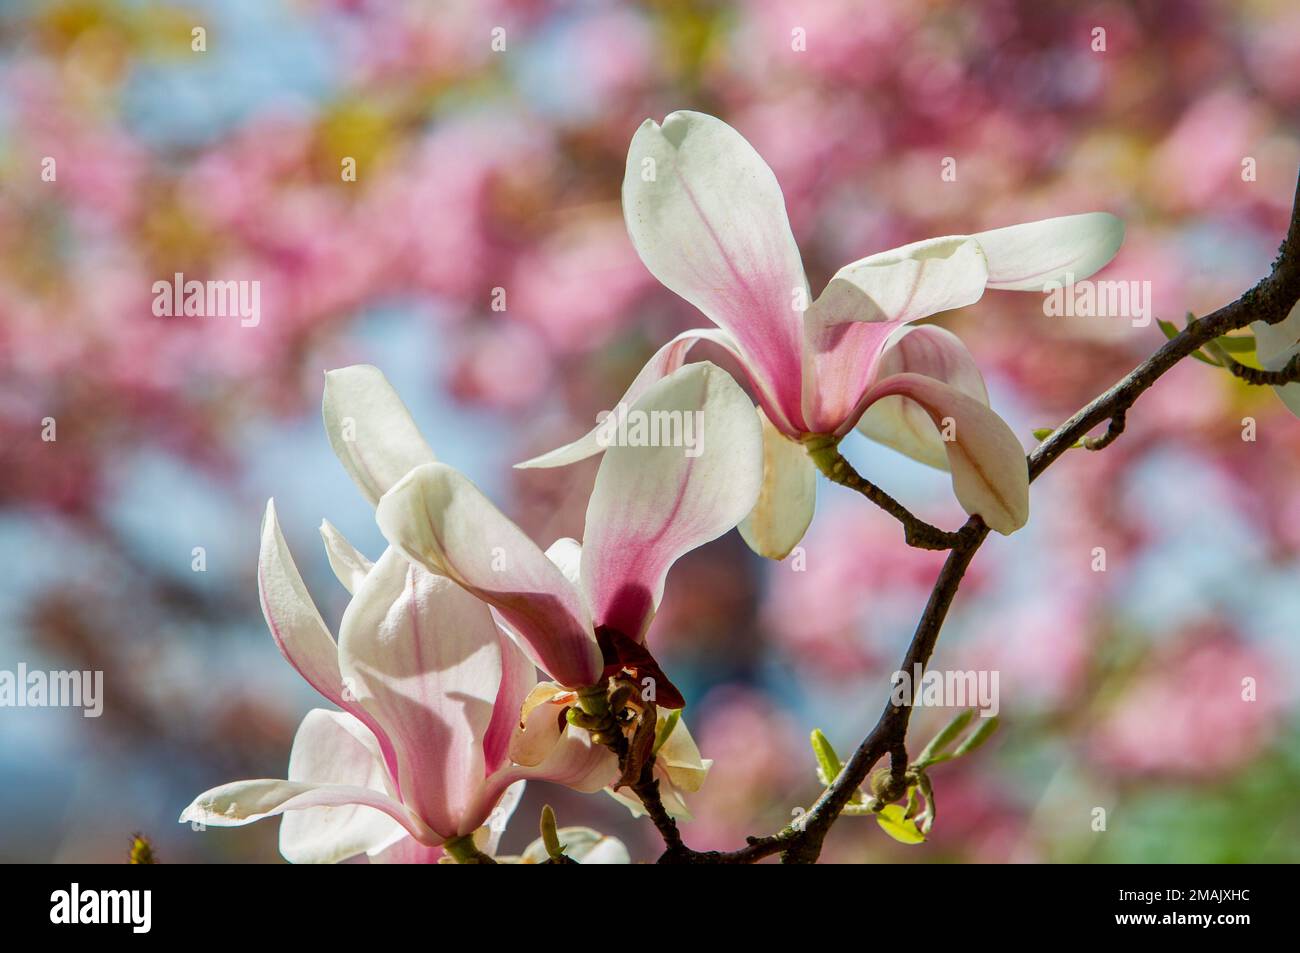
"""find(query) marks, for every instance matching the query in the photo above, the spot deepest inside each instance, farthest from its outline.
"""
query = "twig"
(916, 531)
(1113, 430)
(1288, 374)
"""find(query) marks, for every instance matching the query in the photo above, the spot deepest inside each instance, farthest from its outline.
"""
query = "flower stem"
(825, 453)
(463, 851)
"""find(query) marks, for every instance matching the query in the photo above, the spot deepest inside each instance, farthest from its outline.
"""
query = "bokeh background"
(482, 169)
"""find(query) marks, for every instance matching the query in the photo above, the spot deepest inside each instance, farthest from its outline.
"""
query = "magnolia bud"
(884, 787)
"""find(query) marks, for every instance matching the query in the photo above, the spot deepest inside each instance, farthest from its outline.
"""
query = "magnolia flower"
(707, 217)
(1275, 346)
(429, 741)
(579, 611)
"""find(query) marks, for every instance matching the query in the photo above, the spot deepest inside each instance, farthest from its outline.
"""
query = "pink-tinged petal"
(295, 623)
(566, 553)
(1027, 257)
(680, 762)
(518, 677)
(903, 424)
(786, 500)
(298, 630)
(408, 850)
(499, 819)
(242, 802)
(333, 747)
(989, 472)
(349, 565)
(424, 658)
(1275, 345)
(866, 302)
(653, 504)
(707, 217)
(371, 430)
(547, 748)
(573, 761)
(666, 360)
(351, 787)
(540, 723)
(439, 519)
(672, 801)
(576, 762)
(487, 837)
(905, 284)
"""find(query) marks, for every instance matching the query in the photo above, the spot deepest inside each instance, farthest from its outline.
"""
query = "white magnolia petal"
(541, 722)
(518, 678)
(679, 756)
(298, 630)
(707, 217)
(371, 430)
(1276, 345)
(673, 803)
(990, 474)
(905, 283)
(903, 424)
(566, 553)
(581, 845)
(500, 817)
(349, 564)
(408, 850)
(1027, 257)
(295, 623)
(787, 499)
(575, 762)
(242, 802)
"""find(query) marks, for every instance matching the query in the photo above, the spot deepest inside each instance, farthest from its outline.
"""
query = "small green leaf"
(1171, 331)
(909, 810)
(1242, 344)
(828, 762)
(940, 742)
(892, 821)
(1042, 433)
(926, 820)
(977, 737)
